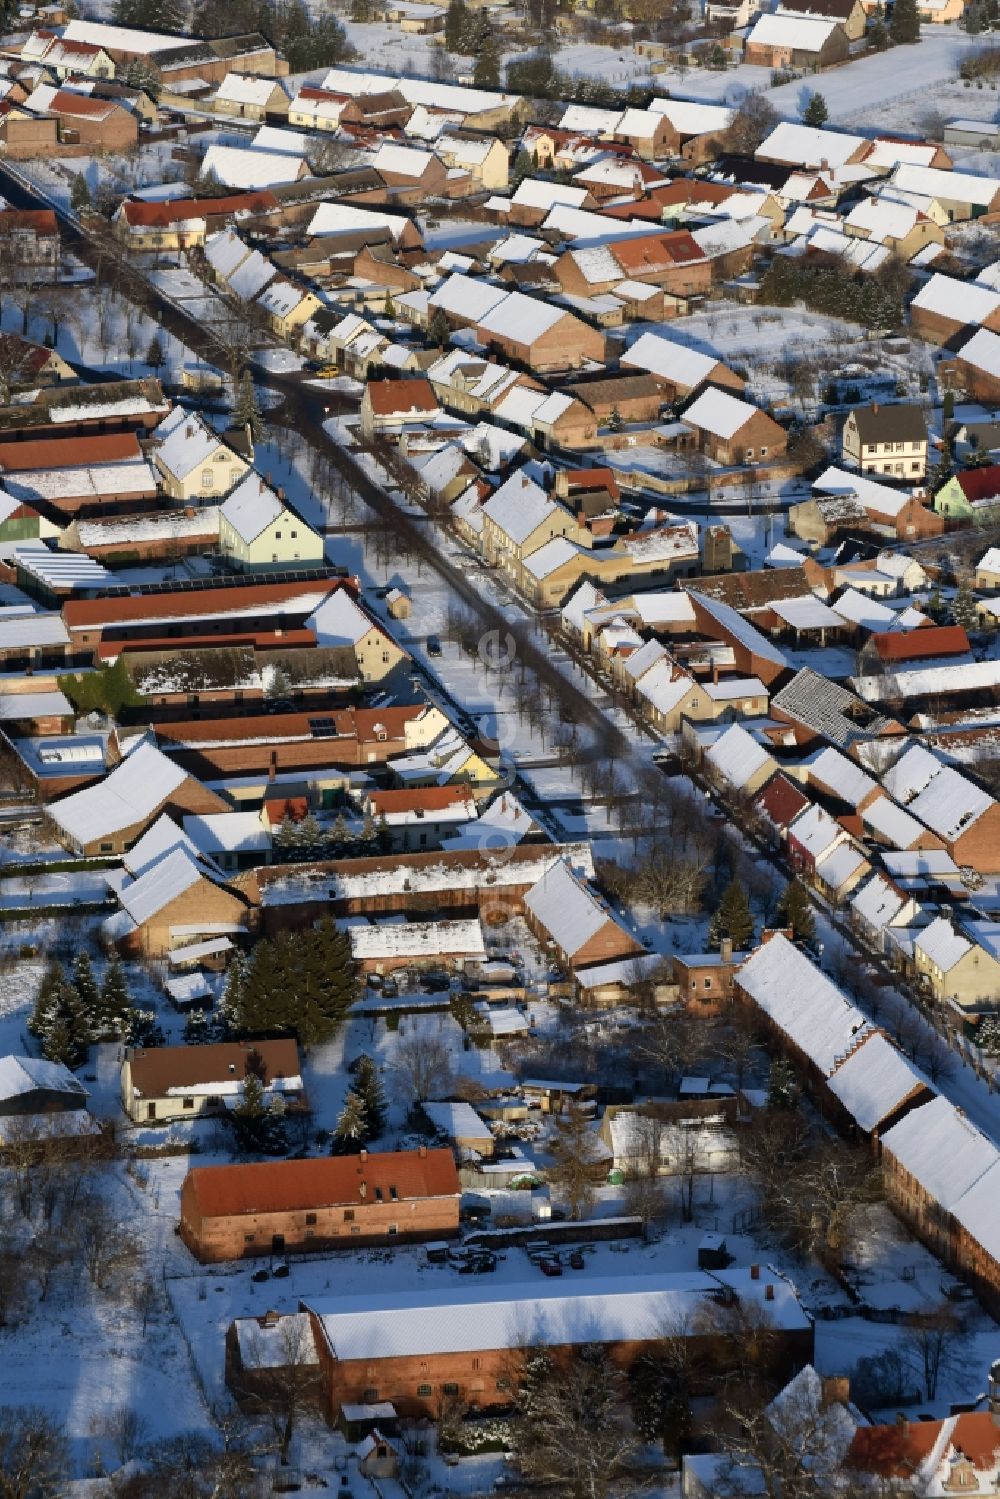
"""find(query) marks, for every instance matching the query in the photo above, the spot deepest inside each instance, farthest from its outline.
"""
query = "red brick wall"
(245, 1235)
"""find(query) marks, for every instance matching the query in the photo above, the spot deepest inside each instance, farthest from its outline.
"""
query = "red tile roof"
(83, 614)
(896, 1451)
(917, 645)
(160, 1068)
(68, 452)
(980, 483)
(163, 215)
(657, 251)
(429, 798)
(322, 1181)
(41, 220)
(781, 801)
(65, 102)
(397, 397)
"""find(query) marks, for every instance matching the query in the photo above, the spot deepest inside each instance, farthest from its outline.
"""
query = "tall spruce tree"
(117, 1008)
(816, 112)
(733, 918)
(47, 999)
(85, 985)
(795, 910)
(67, 1032)
(353, 1125)
(368, 1085)
(904, 27)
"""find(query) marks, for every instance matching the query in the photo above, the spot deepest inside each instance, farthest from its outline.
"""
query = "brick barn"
(325, 1202)
(412, 1348)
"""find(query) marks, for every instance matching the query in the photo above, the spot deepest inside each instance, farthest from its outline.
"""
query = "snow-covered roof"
(676, 362)
(130, 794)
(937, 794)
(940, 1148)
(689, 118)
(878, 902)
(942, 945)
(467, 297)
(417, 939)
(252, 507)
(228, 832)
(891, 822)
(806, 612)
(802, 1002)
(186, 442)
(564, 907)
(803, 33)
(244, 167)
(242, 88)
(21, 1075)
(463, 1319)
(959, 301)
(829, 768)
(740, 629)
(873, 496)
(859, 609)
(805, 146)
(519, 507)
(815, 830)
(953, 187)
(841, 864)
(159, 884)
(459, 1121)
(982, 351)
(585, 119)
(736, 756)
(345, 218)
(121, 38)
(989, 562)
(248, 279)
(159, 839)
(718, 412)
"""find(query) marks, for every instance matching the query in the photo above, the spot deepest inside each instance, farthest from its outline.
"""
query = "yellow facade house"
(287, 307)
(955, 969)
(192, 461)
(257, 530)
(341, 623)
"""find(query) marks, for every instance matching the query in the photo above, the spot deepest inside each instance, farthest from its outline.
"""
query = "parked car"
(433, 646)
(551, 1267)
(576, 1260)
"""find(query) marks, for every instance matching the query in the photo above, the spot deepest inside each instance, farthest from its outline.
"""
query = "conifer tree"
(86, 987)
(246, 408)
(67, 1033)
(339, 832)
(733, 918)
(795, 910)
(963, 608)
(47, 999)
(79, 194)
(782, 1088)
(904, 27)
(228, 1011)
(489, 58)
(352, 1125)
(456, 26)
(155, 356)
(116, 1011)
(368, 1086)
(816, 112)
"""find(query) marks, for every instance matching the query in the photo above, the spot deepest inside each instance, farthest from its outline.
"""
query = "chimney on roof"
(423, 1150)
(363, 1155)
(835, 1389)
(902, 1424)
(726, 949)
(874, 408)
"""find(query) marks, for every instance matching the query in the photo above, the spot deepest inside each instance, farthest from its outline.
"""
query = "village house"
(975, 368)
(249, 98)
(63, 56)
(848, 14)
(193, 462)
(177, 58)
(325, 1202)
(162, 1083)
(705, 980)
(941, 1176)
(889, 440)
(965, 817)
(186, 223)
(784, 40)
(565, 913)
(418, 818)
(108, 816)
(732, 432)
(988, 571)
(352, 641)
(955, 969)
(947, 311)
(679, 371)
(257, 530)
(173, 901)
(389, 405)
(971, 494)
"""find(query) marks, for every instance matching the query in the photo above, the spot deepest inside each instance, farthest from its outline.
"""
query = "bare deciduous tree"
(424, 1067)
(34, 1456)
(574, 1437)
